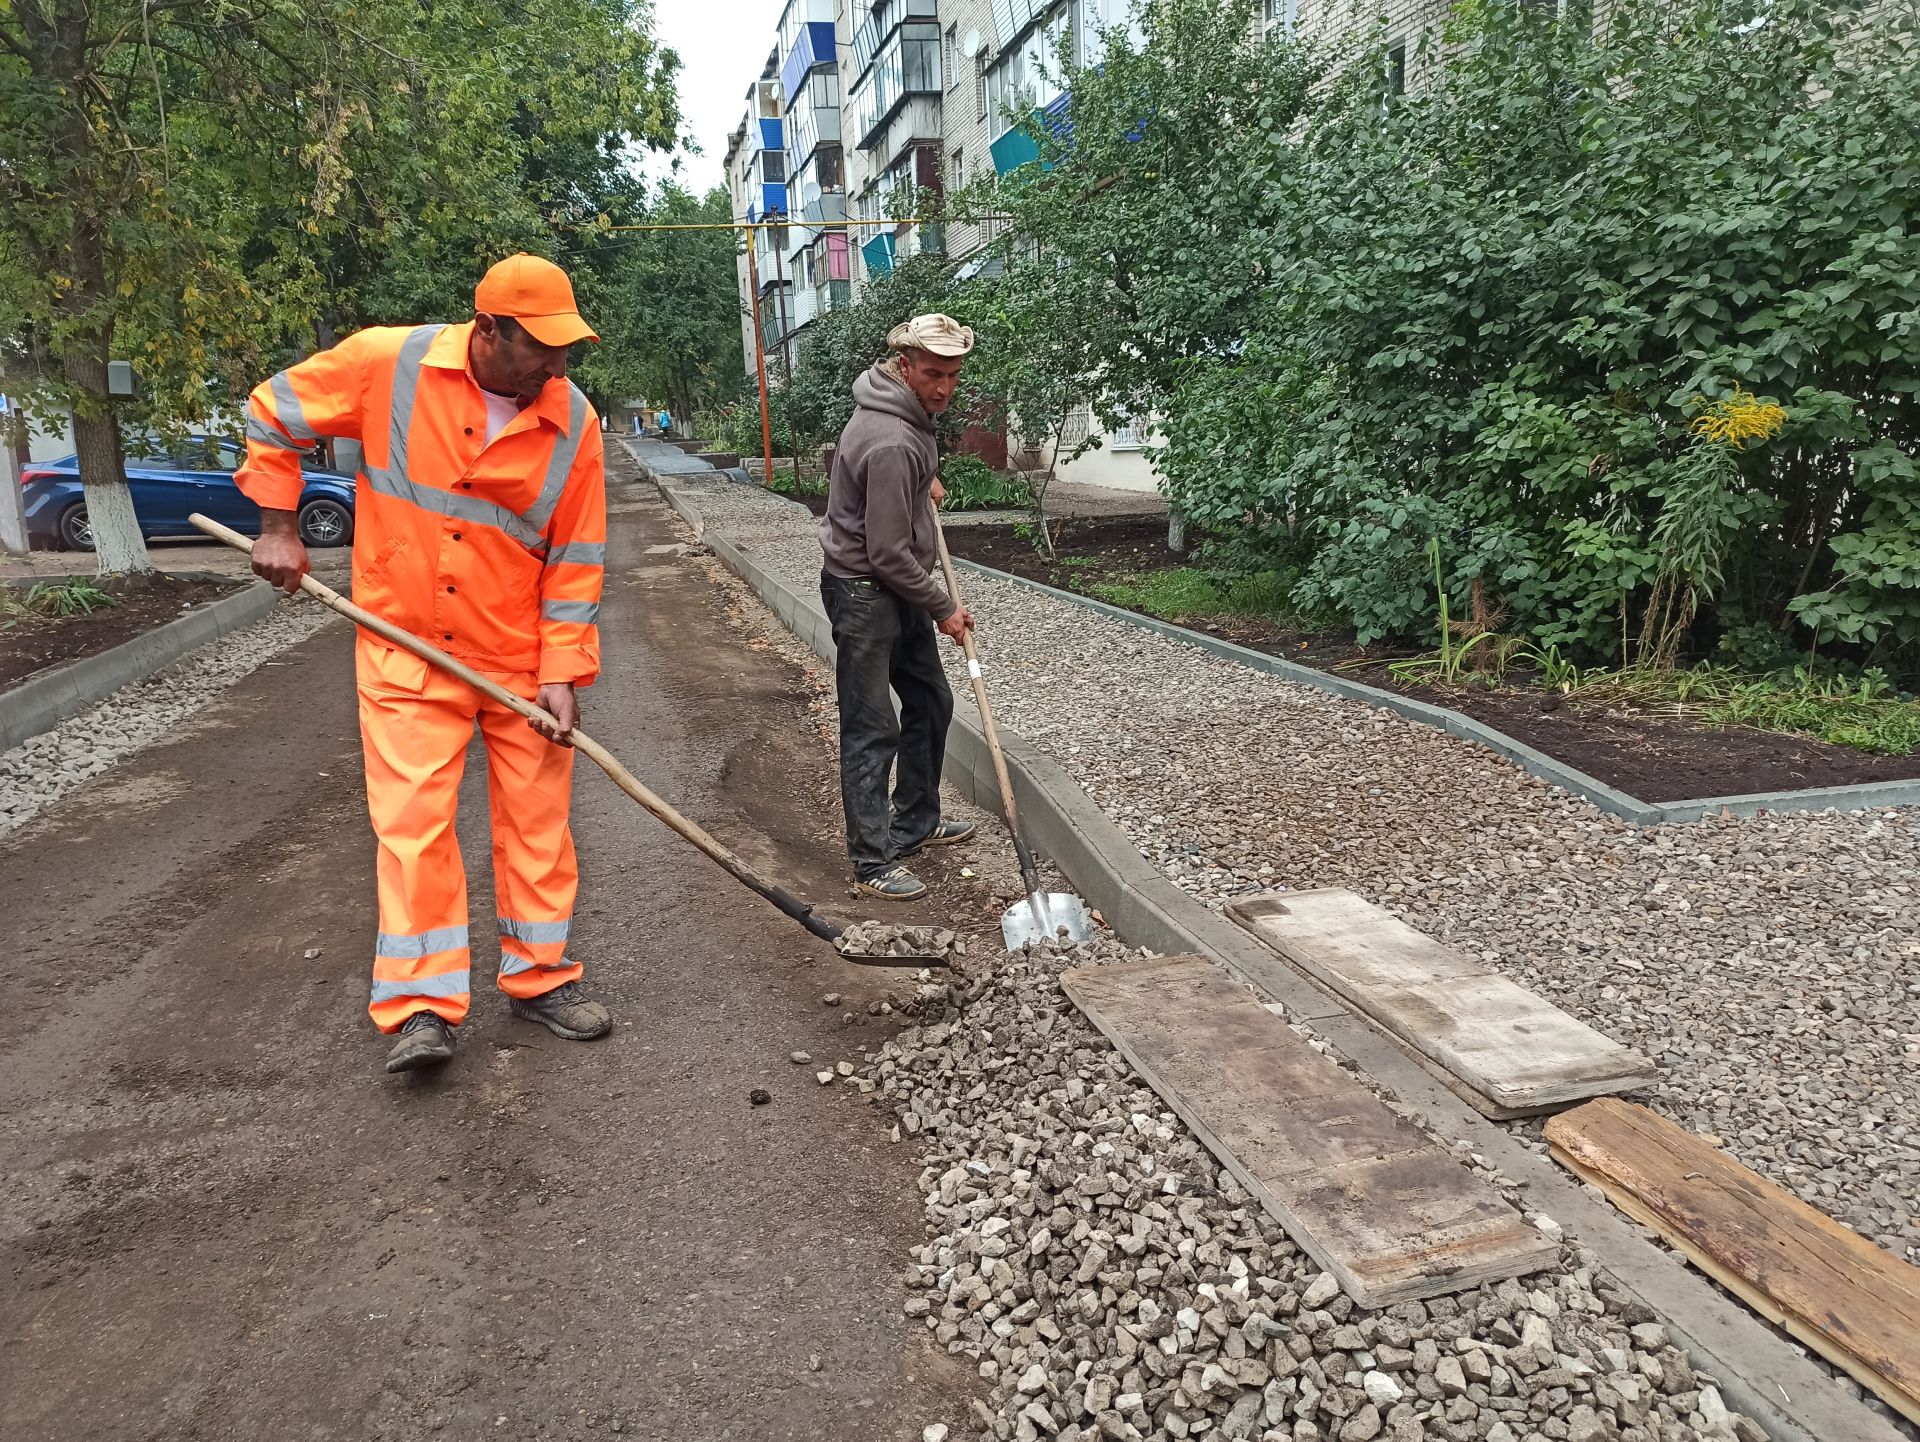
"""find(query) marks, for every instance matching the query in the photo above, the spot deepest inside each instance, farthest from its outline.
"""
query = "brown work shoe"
(565, 1011)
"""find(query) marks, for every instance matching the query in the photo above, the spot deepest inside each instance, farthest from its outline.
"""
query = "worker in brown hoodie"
(885, 605)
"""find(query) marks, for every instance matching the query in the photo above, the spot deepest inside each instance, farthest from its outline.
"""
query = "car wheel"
(76, 532)
(325, 523)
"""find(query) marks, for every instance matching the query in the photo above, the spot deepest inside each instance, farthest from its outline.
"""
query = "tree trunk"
(117, 543)
(13, 516)
(96, 430)
(1176, 530)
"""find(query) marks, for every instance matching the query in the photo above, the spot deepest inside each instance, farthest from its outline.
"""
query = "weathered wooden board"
(1856, 1305)
(1362, 1191)
(1514, 1051)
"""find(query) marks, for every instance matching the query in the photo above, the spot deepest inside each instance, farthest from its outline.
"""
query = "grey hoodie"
(879, 520)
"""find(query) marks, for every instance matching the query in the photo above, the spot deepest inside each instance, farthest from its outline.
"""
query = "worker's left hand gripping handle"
(279, 555)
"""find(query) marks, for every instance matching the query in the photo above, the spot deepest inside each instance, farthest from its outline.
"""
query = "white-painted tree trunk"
(1176, 530)
(13, 512)
(117, 542)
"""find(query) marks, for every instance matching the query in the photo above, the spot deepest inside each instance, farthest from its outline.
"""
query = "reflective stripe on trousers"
(415, 723)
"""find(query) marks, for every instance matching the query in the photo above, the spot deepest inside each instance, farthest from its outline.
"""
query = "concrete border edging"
(1864, 796)
(43, 701)
(1760, 1373)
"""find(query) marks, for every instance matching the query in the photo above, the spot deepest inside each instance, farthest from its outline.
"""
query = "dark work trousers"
(884, 642)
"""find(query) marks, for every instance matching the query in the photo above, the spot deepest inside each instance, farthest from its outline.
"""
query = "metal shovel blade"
(1059, 912)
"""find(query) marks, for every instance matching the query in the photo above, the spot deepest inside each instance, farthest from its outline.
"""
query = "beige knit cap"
(941, 334)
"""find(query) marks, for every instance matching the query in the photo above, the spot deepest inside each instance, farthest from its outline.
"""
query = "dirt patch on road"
(33, 640)
(221, 1220)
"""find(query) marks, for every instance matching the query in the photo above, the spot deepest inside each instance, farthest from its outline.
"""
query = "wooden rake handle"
(691, 831)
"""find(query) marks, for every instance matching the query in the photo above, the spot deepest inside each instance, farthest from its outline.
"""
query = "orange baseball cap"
(536, 293)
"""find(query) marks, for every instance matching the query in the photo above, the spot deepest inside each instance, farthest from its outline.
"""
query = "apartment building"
(757, 171)
(814, 256)
(881, 100)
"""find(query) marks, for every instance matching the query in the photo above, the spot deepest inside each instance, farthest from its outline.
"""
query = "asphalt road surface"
(221, 1219)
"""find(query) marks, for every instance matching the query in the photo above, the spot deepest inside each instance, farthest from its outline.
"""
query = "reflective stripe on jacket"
(493, 552)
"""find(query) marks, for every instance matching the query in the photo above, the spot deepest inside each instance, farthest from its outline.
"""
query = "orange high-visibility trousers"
(415, 723)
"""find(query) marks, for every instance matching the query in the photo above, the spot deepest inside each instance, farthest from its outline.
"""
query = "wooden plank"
(1831, 1288)
(1362, 1191)
(1512, 1049)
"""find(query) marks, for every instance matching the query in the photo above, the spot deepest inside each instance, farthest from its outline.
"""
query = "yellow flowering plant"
(1740, 419)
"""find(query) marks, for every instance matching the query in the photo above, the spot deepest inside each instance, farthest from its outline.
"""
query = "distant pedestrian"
(481, 525)
(883, 601)
(666, 423)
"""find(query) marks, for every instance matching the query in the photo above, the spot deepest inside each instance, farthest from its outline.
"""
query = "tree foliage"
(207, 186)
(1508, 311)
(666, 303)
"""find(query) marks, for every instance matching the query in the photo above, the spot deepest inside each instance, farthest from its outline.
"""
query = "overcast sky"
(722, 45)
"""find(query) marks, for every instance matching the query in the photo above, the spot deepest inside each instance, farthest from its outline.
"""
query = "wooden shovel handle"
(1029, 872)
(799, 910)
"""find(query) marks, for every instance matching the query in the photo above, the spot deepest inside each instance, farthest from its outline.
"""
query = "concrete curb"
(42, 702)
(1867, 796)
(1760, 1373)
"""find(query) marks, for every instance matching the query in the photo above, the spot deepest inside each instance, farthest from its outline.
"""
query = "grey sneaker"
(896, 883)
(565, 1011)
(945, 834)
(425, 1040)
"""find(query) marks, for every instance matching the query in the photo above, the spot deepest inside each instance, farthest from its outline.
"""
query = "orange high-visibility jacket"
(494, 553)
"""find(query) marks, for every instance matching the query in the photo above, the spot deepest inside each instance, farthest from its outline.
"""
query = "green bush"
(1526, 309)
(1625, 314)
(973, 485)
(736, 424)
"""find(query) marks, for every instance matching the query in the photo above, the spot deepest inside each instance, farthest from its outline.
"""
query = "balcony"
(878, 255)
(770, 199)
(813, 45)
(882, 20)
(821, 208)
(814, 118)
(1017, 146)
(770, 134)
(906, 64)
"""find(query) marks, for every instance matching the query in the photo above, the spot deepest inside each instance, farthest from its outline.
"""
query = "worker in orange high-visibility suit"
(480, 524)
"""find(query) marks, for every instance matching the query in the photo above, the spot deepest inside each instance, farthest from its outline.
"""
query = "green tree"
(205, 187)
(666, 304)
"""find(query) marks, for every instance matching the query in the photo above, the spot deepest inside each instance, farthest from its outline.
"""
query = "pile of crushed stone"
(935, 945)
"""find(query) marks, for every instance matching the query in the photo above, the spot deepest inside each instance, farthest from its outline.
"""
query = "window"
(980, 86)
(1281, 15)
(773, 167)
(828, 169)
(1027, 76)
(957, 168)
(953, 49)
(1397, 68)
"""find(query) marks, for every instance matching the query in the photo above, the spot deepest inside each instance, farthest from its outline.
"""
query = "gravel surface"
(39, 771)
(1109, 1281)
(1770, 966)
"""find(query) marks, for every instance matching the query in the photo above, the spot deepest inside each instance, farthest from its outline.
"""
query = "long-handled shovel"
(1043, 915)
(861, 951)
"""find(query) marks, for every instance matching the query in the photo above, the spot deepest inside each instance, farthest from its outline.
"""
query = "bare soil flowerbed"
(1650, 757)
(31, 643)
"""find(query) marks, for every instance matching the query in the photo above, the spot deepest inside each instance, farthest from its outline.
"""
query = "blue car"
(196, 476)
